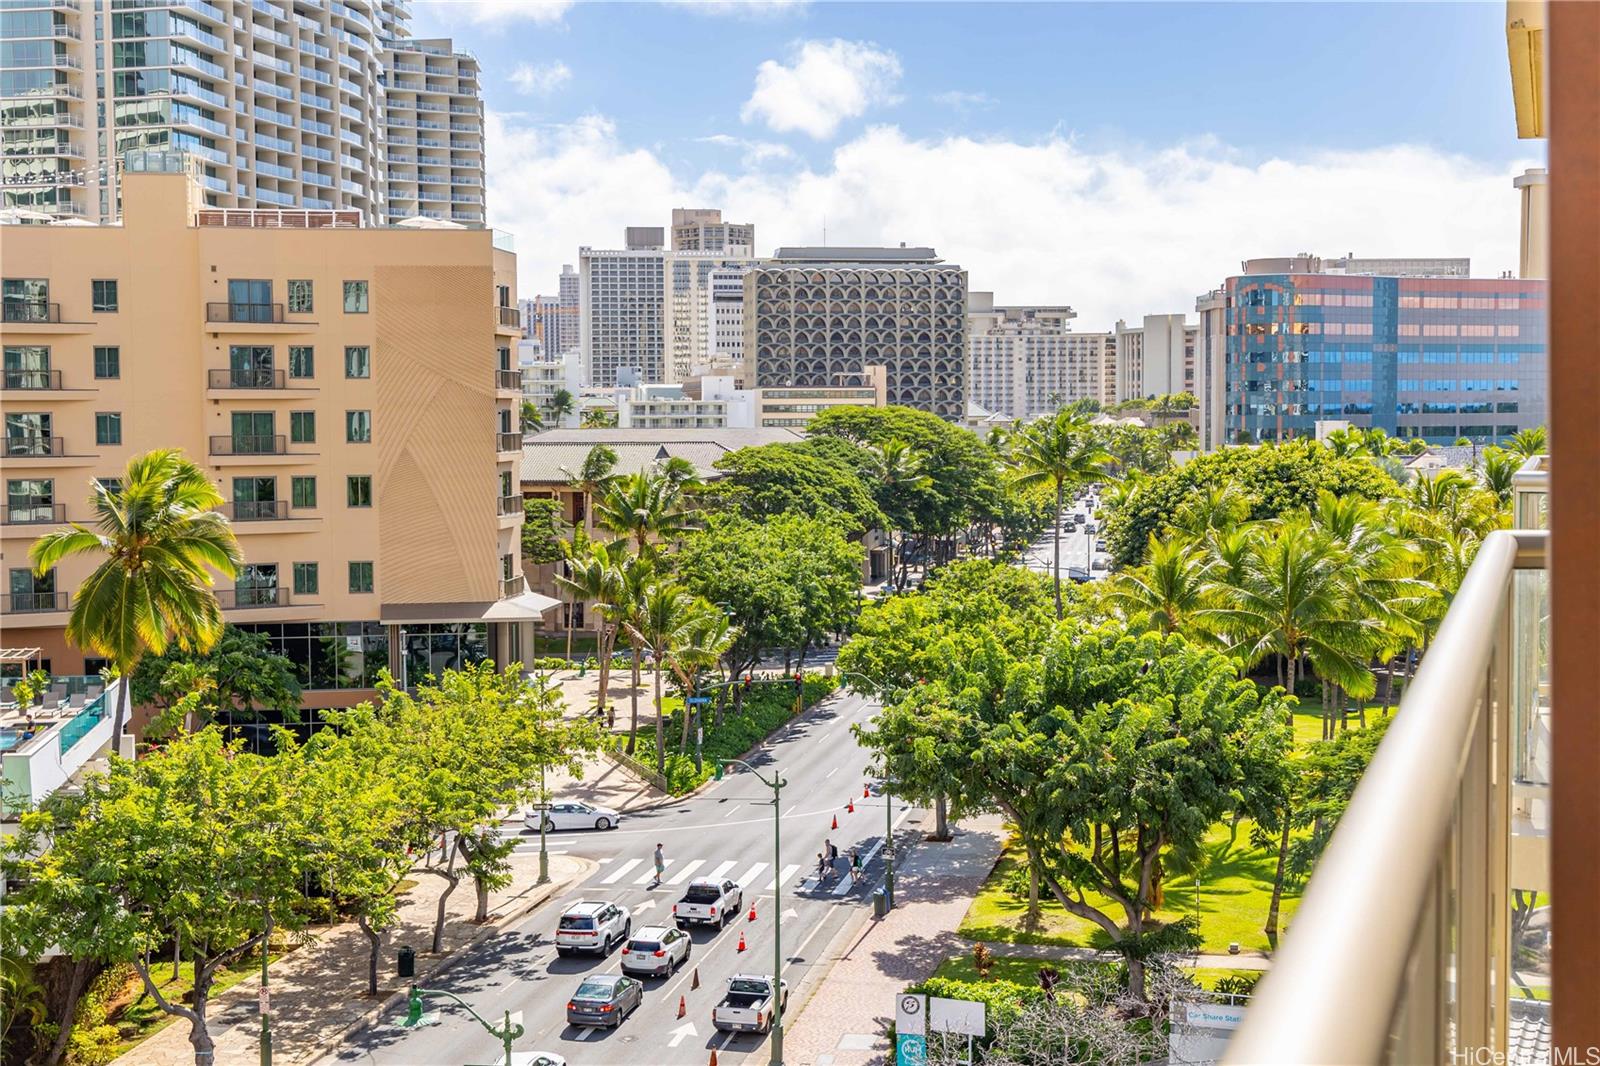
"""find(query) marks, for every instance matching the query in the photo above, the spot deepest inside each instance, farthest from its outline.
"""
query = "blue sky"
(1112, 123)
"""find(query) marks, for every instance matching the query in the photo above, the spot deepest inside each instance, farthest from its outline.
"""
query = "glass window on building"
(104, 294)
(27, 366)
(358, 427)
(361, 577)
(357, 362)
(107, 361)
(358, 490)
(302, 361)
(108, 427)
(303, 427)
(31, 591)
(355, 297)
(299, 296)
(303, 491)
(305, 579)
(30, 500)
(430, 650)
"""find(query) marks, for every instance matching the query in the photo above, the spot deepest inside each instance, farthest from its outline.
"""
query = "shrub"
(1003, 1000)
(1242, 983)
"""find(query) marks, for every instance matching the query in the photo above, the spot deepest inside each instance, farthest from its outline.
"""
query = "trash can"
(880, 903)
(408, 961)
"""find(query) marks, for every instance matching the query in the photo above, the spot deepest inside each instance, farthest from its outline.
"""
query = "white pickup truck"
(709, 903)
(747, 1008)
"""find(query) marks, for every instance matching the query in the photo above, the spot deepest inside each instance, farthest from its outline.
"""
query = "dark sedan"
(604, 1000)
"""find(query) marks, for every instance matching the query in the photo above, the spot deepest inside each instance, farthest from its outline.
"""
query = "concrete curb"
(330, 1046)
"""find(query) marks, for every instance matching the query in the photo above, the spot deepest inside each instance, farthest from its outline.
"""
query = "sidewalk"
(844, 1021)
(319, 990)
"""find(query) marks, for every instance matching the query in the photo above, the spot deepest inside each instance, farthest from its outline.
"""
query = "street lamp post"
(888, 819)
(544, 822)
(776, 783)
(414, 1017)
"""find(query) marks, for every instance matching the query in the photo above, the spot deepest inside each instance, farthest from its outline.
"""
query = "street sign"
(911, 1014)
(956, 1016)
(541, 806)
(695, 701)
(264, 1000)
(910, 1049)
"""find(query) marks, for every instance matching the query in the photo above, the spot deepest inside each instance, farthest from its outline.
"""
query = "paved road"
(1077, 548)
(725, 831)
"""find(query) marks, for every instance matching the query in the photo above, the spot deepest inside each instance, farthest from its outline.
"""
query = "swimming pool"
(11, 737)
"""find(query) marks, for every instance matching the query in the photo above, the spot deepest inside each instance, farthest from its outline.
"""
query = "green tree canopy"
(246, 675)
(771, 479)
(1273, 480)
(541, 535)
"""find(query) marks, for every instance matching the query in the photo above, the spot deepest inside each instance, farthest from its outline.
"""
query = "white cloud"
(964, 101)
(752, 153)
(746, 9)
(537, 11)
(540, 79)
(824, 83)
(1114, 234)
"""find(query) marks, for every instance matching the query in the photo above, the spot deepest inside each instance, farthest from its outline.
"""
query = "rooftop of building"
(1380, 265)
(854, 254)
(550, 457)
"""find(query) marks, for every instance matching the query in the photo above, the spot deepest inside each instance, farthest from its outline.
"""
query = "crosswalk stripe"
(650, 874)
(620, 872)
(688, 870)
(722, 870)
(750, 875)
(787, 872)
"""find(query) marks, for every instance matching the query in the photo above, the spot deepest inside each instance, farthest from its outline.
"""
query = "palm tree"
(1165, 592)
(561, 405)
(532, 422)
(895, 470)
(1498, 473)
(593, 577)
(160, 535)
(646, 508)
(635, 575)
(708, 640)
(595, 473)
(1059, 451)
(669, 621)
(1217, 507)
(1527, 443)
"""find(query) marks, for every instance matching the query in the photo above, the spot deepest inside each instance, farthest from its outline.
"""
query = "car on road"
(707, 902)
(1076, 573)
(747, 1007)
(592, 925)
(604, 1000)
(655, 951)
(573, 816)
(1099, 563)
(1099, 545)
(535, 1058)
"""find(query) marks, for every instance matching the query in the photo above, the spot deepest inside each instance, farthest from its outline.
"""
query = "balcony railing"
(254, 378)
(508, 442)
(242, 312)
(508, 379)
(251, 597)
(512, 586)
(257, 510)
(510, 505)
(31, 379)
(33, 514)
(36, 446)
(510, 316)
(36, 602)
(19, 311)
(264, 444)
(1401, 950)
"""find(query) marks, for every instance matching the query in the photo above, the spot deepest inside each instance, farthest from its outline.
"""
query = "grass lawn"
(1235, 889)
(141, 1019)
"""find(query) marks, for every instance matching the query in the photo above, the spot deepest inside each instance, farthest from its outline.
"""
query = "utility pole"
(776, 783)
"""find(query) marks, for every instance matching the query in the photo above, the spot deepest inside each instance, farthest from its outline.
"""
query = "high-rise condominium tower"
(818, 317)
(282, 102)
(701, 229)
(1023, 362)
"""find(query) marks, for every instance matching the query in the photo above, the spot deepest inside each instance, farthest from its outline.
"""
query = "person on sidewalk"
(822, 868)
(661, 867)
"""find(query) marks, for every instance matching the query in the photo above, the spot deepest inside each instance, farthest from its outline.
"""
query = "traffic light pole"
(505, 1034)
(776, 783)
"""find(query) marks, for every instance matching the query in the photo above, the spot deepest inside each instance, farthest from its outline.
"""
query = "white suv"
(655, 951)
(592, 926)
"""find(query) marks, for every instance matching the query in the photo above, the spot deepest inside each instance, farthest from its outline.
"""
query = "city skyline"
(1087, 168)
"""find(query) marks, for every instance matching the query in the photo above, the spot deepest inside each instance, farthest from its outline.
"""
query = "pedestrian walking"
(833, 853)
(822, 868)
(661, 866)
(855, 862)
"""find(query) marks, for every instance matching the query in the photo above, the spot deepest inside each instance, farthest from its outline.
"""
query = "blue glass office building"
(1432, 357)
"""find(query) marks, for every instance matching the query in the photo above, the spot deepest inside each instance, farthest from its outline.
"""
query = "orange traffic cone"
(683, 1008)
(836, 821)
(850, 806)
(752, 910)
(866, 792)
(741, 941)
(713, 1061)
(696, 982)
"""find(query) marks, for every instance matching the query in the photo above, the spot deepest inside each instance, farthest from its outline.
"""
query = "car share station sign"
(916, 1016)
(1200, 1031)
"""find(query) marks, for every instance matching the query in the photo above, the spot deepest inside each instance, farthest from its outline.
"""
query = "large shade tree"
(159, 538)
(1061, 452)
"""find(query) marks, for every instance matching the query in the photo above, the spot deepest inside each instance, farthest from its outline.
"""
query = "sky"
(1120, 158)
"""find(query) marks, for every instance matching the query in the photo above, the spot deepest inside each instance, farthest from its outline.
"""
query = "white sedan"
(573, 816)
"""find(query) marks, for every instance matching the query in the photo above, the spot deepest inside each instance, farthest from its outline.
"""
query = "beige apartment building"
(350, 389)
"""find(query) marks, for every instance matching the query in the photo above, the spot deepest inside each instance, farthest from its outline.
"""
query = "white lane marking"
(584, 1033)
(726, 1040)
(688, 869)
(650, 875)
(721, 870)
(783, 875)
(683, 1031)
(620, 872)
(845, 885)
(750, 875)
(790, 810)
(830, 773)
(788, 962)
(735, 807)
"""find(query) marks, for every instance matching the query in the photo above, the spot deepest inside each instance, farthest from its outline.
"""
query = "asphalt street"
(1077, 548)
(725, 831)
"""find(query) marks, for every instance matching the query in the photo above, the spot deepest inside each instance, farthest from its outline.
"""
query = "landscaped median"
(764, 707)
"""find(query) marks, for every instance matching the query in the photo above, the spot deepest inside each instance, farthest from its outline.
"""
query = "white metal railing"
(49, 759)
(1400, 951)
